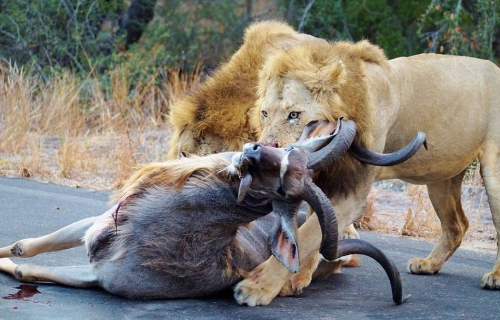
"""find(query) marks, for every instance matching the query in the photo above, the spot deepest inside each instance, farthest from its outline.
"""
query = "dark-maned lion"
(454, 100)
(213, 116)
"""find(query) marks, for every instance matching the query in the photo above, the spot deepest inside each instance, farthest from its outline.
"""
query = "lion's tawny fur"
(454, 100)
(334, 74)
(213, 117)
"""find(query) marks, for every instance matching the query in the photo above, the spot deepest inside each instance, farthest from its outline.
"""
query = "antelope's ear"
(283, 242)
(245, 182)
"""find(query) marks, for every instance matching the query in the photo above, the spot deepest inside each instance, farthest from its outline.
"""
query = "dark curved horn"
(357, 246)
(334, 150)
(320, 203)
(367, 156)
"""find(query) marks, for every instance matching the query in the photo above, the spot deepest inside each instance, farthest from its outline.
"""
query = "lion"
(455, 100)
(213, 117)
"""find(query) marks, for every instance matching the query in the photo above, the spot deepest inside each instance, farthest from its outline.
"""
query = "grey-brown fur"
(188, 243)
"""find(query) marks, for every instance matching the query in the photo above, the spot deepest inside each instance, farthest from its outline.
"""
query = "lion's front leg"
(264, 283)
(297, 282)
(446, 198)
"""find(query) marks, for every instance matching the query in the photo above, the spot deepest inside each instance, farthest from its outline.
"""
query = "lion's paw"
(491, 280)
(350, 232)
(421, 266)
(253, 293)
(296, 284)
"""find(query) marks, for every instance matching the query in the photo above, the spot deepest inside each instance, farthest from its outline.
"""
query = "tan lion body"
(454, 100)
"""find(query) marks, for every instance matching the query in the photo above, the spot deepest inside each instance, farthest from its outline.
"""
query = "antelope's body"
(166, 242)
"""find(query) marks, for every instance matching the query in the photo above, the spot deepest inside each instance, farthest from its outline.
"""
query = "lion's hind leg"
(490, 172)
(446, 198)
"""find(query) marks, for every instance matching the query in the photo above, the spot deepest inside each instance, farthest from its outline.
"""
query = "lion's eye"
(201, 140)
(264, 113)
(293, 115)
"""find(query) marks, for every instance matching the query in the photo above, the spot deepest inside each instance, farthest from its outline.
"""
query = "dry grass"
(421, 220)
(77, 132)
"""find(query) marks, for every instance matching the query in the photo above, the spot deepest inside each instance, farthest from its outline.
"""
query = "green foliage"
(462, 27)
(93, 36)
(200, 31)
(390, 24)
(55, 33)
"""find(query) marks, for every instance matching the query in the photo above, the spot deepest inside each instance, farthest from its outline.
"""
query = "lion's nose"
(271, 138)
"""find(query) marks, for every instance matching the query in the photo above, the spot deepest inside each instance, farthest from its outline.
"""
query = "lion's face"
(285, 109)
(192, 142)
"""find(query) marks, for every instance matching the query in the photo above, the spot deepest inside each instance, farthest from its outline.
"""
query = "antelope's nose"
(270, 144)
(252, 152)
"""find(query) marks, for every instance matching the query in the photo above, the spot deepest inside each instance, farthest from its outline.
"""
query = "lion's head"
(315, 81)
(214, 116)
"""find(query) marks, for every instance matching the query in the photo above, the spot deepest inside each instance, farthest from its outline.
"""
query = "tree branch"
(304, 15)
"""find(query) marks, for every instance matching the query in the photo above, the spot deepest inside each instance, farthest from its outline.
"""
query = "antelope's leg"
(74, 276)
(64, 238)
(263, 284)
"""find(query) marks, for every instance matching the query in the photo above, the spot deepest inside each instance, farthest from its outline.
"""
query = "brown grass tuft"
(421, 219)
(369, 220)
(80, 132)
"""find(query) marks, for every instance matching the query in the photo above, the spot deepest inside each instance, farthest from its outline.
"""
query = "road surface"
(29, 208)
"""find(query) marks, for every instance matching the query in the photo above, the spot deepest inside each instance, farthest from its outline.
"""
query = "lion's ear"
(336, 74)
(329, 78)
(325, 80)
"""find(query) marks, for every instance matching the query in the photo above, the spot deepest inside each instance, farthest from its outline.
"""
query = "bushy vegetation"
(462, 27)
(95, 36)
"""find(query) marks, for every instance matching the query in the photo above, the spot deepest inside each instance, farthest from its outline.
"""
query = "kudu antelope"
(193, 226)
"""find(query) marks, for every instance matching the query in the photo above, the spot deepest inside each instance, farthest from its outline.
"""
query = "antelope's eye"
(293, 115)
(264, 113)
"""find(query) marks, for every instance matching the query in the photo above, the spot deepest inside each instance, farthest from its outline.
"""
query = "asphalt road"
(29, 208)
